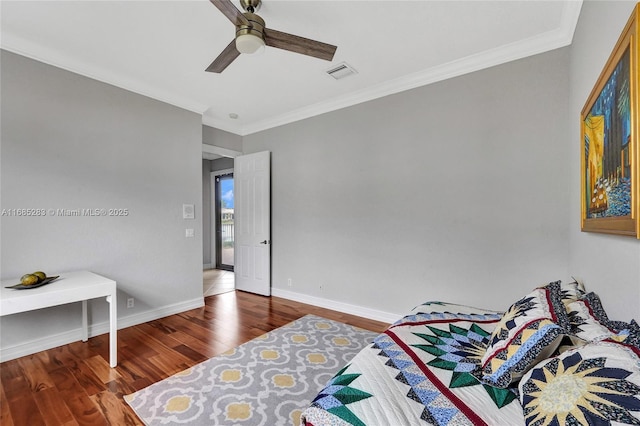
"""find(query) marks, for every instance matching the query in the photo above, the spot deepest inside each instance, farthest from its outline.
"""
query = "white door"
(252, 174)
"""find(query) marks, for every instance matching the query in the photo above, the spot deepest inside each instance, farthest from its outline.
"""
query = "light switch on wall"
(189, 233)
(188, 211)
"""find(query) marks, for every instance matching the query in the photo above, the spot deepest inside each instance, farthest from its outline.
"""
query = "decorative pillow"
(590, 322)
(530, 330)
(596, 384)
(571, 292)
(595, 306)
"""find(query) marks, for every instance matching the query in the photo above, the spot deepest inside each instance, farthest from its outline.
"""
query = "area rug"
(266, 381)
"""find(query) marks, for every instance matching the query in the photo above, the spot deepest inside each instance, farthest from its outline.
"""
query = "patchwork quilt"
(424, 369)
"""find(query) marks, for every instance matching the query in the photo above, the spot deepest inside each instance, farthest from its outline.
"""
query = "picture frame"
(609, 148)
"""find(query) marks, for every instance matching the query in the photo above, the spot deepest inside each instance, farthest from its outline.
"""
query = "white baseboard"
(347, 308)
(147, 316)
(41, 344)
(30, 347)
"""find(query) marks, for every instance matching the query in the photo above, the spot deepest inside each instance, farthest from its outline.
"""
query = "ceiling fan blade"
(299, 44)
(230, 11)
(224, 59)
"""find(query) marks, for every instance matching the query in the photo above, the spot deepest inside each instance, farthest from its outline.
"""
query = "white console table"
(70, 287)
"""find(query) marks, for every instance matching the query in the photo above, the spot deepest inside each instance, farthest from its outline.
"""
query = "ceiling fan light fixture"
(249, 43)
(252, 37)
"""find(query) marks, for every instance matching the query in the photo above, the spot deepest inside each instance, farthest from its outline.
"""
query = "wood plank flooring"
(74, 385)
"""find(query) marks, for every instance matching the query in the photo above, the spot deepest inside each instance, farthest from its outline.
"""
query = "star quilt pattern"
(424, 369)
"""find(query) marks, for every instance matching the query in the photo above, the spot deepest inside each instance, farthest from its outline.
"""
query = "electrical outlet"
(130, 303)
(289, 283)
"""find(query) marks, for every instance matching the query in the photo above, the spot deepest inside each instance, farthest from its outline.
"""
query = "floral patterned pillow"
(530, 330)
(596, 384)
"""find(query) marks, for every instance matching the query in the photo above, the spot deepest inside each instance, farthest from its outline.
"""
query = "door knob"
(264, 242)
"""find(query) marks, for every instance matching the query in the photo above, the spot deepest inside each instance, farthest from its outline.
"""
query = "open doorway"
(217, 281)
(224, 218)
(218, 275)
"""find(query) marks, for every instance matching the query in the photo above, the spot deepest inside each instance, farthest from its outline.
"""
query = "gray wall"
(455, 191)
(221, 138)
(69, 142)
(221, 164)
(609, 265)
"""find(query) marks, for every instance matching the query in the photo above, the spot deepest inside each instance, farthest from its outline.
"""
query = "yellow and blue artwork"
(607, 137)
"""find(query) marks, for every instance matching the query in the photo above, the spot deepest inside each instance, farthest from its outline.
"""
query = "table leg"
(113, 330)
(85, 322)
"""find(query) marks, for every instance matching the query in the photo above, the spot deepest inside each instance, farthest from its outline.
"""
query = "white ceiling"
(161, 48)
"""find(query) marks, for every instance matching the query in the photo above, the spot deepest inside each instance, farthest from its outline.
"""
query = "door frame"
(212, 213)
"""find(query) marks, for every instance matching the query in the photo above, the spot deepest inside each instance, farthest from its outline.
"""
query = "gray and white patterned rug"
(269, 380)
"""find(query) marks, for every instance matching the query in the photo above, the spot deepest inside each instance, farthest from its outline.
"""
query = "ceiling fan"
(251, 35)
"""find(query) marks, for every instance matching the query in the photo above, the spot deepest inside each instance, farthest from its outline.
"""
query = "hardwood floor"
(74, 385)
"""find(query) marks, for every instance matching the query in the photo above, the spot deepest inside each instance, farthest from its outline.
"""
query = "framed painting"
(610, 162)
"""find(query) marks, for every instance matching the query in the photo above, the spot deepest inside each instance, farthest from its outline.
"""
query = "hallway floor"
(217, 281)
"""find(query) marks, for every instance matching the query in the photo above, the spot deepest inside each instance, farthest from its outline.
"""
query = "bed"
(553, 357)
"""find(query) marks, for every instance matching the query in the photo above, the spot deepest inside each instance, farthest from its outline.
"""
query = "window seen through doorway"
(225, 230)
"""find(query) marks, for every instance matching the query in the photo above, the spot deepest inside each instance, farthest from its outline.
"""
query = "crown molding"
(221, 125)
(217, 150)
(560, 37)
(569, 19)
(26, 48)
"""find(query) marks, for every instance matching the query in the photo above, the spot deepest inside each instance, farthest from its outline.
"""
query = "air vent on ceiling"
(341, 71)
